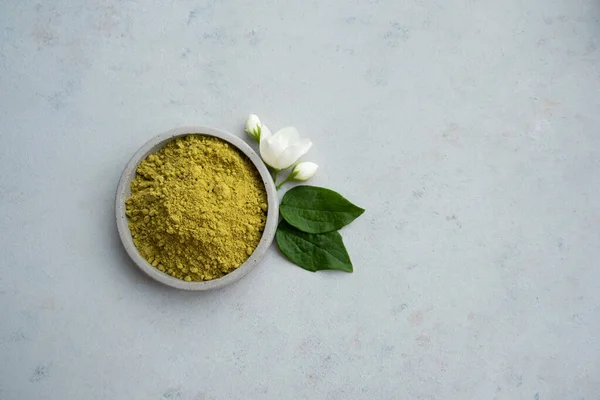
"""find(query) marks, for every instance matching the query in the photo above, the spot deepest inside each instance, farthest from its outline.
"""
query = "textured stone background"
(468, 129)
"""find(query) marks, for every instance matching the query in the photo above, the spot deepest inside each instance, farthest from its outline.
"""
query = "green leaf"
(317, 210)
(313, 252)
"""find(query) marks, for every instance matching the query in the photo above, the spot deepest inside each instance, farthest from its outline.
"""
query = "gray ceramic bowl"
(123, 192)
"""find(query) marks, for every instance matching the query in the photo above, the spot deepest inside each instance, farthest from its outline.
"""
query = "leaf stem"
(281, 184)
(275, 173)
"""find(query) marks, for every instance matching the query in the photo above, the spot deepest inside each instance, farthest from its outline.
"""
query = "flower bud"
(253, 127)
(304, 171)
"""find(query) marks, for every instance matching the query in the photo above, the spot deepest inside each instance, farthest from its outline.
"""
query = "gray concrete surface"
(468, 129)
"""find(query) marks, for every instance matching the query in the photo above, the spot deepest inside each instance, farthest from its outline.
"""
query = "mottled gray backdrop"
(468, 129)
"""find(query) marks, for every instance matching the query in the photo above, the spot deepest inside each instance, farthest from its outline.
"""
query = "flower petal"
(287, 136)
(266, 150)
(265, 132)
(269, 157)
(291, 154)
(276, 147)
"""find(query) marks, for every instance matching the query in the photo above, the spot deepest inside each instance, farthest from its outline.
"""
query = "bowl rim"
(123, 192)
